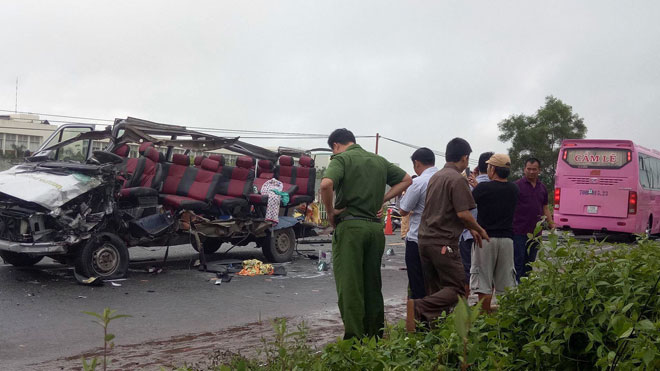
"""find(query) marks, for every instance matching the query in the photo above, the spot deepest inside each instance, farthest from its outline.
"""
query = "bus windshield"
(596, 158)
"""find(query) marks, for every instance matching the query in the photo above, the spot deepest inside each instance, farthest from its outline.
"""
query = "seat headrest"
(199, 159)
(123, 150)
(245, 162)
(286, 161)
(306, 161)
(144, 146)
(219, 158)
(152, 154)
(181, 159)
(265, 164)
(210, 165)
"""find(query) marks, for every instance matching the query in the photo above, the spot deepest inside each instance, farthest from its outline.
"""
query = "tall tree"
(540, 136)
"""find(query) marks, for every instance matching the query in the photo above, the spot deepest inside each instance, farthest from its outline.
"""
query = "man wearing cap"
(358, 178)
(492, 266)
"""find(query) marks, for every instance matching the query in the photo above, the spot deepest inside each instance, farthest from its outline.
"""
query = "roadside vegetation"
(580, 309)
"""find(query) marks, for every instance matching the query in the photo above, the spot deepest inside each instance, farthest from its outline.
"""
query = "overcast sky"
(421, 72)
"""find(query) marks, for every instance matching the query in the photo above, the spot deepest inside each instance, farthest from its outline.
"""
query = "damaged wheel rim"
(105, 260)
(282, 243)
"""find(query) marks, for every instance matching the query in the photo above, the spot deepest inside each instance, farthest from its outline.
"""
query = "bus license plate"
(592, 209)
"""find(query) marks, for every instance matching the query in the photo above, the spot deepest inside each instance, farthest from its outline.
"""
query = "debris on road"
(255, 267)
(155, 270)
(87, 281)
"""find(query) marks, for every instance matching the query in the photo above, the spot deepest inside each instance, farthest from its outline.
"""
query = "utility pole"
(377, 137)
(16, 102)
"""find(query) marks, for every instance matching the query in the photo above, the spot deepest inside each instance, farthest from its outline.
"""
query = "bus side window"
(656, 172)
(650, 171)
(643, 172)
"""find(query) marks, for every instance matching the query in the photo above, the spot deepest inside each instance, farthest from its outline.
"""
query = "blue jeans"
(524, 252)
(465, 246)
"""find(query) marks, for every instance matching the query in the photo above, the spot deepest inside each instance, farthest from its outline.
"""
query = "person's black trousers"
(414, 269)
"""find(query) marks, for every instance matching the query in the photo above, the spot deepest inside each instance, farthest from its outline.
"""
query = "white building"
(21, 132)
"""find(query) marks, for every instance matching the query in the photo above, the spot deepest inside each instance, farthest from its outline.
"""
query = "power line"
(53, 115)
(32, 129)
(438, 153)
(280, 133)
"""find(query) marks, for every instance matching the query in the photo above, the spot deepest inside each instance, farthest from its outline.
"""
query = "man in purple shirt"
(532, 206)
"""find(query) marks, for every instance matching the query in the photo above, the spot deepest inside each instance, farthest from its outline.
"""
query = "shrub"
(581, 308)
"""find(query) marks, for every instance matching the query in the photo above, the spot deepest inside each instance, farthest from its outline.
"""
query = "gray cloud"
(419, 71)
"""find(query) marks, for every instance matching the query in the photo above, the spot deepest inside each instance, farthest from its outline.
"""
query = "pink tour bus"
(607, 186)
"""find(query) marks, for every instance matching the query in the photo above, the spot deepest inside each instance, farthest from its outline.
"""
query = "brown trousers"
(405, 225)
(444, 280)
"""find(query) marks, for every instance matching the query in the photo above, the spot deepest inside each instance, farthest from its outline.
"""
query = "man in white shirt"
(466, 241)
(413, 203)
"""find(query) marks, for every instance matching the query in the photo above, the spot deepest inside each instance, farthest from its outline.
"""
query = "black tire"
(20, 260)
(104, 256)
(279, 246)
(211, 245)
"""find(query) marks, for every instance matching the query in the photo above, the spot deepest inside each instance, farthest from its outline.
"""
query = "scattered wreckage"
(85, 207)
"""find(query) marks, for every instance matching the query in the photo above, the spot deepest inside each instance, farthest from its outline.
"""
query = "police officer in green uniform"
(358, 179)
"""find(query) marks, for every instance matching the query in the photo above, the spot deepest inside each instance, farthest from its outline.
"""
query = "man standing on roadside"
(446, 213)
(492, 264)
(358, 179)
(466, 241)
(413, 202)
(532, 206)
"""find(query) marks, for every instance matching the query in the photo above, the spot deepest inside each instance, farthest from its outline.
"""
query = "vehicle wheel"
(279, 246)
(104, 256)
(20, 260)
(649, 226)
(211, 245)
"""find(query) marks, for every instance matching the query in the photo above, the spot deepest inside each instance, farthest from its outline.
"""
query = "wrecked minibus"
(86, 196)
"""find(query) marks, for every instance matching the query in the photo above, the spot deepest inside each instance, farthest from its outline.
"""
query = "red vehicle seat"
(235, 186)
(265, 171)
(303, 176)
(198, 161)
(122, 151)
(186, 187)
(144, 173)
(218, 158)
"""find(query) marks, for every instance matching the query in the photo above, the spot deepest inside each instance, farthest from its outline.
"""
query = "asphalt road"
(41, 308)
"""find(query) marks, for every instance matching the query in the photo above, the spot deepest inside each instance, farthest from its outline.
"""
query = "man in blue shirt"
(412, 203)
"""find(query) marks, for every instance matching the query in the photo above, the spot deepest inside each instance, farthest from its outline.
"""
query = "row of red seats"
(210, 186)
(299, 180)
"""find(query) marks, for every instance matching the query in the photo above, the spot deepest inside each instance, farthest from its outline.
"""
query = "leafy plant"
(584, 306)
(103, 320)
(464, 318)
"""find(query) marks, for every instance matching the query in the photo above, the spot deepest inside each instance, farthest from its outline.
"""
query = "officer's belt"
(351, 217)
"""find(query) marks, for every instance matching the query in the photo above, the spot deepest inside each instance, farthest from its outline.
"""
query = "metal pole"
(377, 137)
